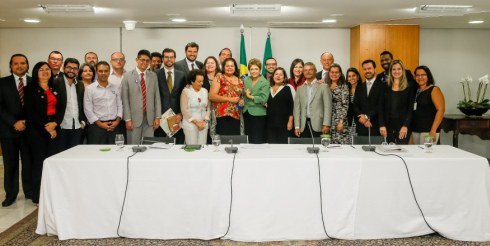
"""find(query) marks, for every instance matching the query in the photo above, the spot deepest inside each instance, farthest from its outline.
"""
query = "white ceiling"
(111, 13)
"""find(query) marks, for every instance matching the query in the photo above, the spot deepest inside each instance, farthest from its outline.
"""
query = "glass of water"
(216, 142)
(120, 141)
(428, 142)
(326, 140)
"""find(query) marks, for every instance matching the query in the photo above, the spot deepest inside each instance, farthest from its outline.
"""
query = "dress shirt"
(139, 75)
(102, 103)
(369, 84)
(24, 80)
(115, 79)
(70, 119)
(324, 74)
(311, 92)
(189, 64)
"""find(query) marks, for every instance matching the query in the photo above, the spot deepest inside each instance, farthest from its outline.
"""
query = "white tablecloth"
(276, 194)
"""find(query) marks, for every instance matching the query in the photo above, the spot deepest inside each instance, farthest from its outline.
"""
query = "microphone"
(369, 147)
(231, 149)
(139, 148)
(312, 150)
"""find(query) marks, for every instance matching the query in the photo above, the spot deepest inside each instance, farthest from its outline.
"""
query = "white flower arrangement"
(480, 102)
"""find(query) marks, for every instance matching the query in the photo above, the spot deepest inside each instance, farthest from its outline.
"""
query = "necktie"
(143, 90)
(20, 88)
(169, 81)
(368, 87)
(192, 66)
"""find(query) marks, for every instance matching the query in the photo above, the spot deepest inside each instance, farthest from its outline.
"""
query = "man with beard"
(189, 62)
(223, 54)
(366, 100)
(156, 61)
(71, 99)
(270, 66)
(91, 58)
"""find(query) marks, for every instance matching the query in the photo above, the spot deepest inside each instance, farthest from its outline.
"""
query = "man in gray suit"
(312, 105)
(141, 100)
(189, 62)
(171, 82)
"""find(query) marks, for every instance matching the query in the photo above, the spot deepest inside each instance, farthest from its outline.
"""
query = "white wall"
(450, 53)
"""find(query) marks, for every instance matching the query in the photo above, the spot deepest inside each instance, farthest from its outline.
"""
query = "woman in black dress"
(396, 106)
(279, 108)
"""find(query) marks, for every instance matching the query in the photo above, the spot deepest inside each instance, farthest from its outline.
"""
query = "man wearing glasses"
(71, 99)
(270, 66)
(118, 60)
(55, 59)
(141, 100)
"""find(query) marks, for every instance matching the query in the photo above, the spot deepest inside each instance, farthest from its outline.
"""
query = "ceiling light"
(178, 19)
(476, 22)
(129, 24)
(2, 20)
(31, 21)
(66, 8)
(329, 21)
(447, 10)
(255, 9)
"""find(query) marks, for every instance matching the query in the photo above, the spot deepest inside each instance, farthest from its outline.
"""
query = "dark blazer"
(319, 76)
(171, 99)
(182, 66)
(60, 83)
(36, 104)
(11, 110)
(368, 105)
(405, 109)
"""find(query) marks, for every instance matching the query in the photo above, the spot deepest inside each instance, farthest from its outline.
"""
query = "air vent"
(443, 10)
(67, 8)
(299, 24)
(255, 9)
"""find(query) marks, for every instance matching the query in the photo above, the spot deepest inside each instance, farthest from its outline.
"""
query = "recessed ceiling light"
(178, 20)
(329, 21)
(476, 22)
(31, 21)
(336, 15)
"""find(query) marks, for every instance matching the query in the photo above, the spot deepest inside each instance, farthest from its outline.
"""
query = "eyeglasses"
(270, 64)
(55, 59)
(144, 60)
(71, 68)
(169, 57)
(118, 59)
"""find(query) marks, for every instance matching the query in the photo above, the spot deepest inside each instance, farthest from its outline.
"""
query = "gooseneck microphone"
(231, 149)
(313, 149)
(369, 147)
(139, 148)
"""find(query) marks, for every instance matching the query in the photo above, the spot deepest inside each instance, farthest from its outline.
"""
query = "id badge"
(414, 106)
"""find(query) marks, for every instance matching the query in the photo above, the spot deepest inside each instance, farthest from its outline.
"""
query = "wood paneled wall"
(367, 41)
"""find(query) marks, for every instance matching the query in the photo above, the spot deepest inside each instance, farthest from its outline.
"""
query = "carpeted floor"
(23, 233)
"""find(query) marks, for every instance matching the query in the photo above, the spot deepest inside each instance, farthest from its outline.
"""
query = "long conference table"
(264, 193)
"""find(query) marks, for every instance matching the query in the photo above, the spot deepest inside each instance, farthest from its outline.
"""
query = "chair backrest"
(152, 140)
(365, 140)
(295, 140)
(237, 139)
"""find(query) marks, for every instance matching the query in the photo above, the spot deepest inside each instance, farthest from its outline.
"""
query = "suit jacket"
(36, 104)
(171, 99)
(368, 105)
(319, 77)
(132, 97)
(321, 107)
(62, 98)
(11, 110)
(182, 66)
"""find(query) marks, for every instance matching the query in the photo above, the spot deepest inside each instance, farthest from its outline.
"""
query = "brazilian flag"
(267, 53)
(243, 59)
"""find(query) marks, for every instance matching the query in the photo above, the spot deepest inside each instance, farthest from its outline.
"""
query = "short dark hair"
(35, 74)
(193, 75)
(101, 63)
(284, 82)
(81, 71)
(55, 52)
(356, 72)
(155, 54)
(192, 45)
(430, 78)
(237, 70)
(221, 51)
(18, 55)
(168, 50)
(386, 53)
(143, 53)
(369, 61)
(71, 60)
(271, 58)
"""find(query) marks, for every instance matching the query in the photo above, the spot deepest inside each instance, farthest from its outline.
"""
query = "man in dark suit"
(71, 99)
(327, 60)
(366, 101)
(171, 82)
(55, 60)
(190, 61)
(12, 130)
(385, 59)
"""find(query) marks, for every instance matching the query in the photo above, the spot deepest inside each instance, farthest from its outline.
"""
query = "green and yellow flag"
(243, 59)
(267, 53)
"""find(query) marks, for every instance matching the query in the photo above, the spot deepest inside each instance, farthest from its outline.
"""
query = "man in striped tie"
(12, 130)
(141, 100)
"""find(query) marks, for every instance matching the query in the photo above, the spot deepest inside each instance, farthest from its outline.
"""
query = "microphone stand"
(313, 149)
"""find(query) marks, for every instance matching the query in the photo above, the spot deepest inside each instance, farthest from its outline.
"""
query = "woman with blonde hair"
(396, 106)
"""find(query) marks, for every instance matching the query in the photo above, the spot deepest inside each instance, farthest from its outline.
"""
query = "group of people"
(65, 104)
